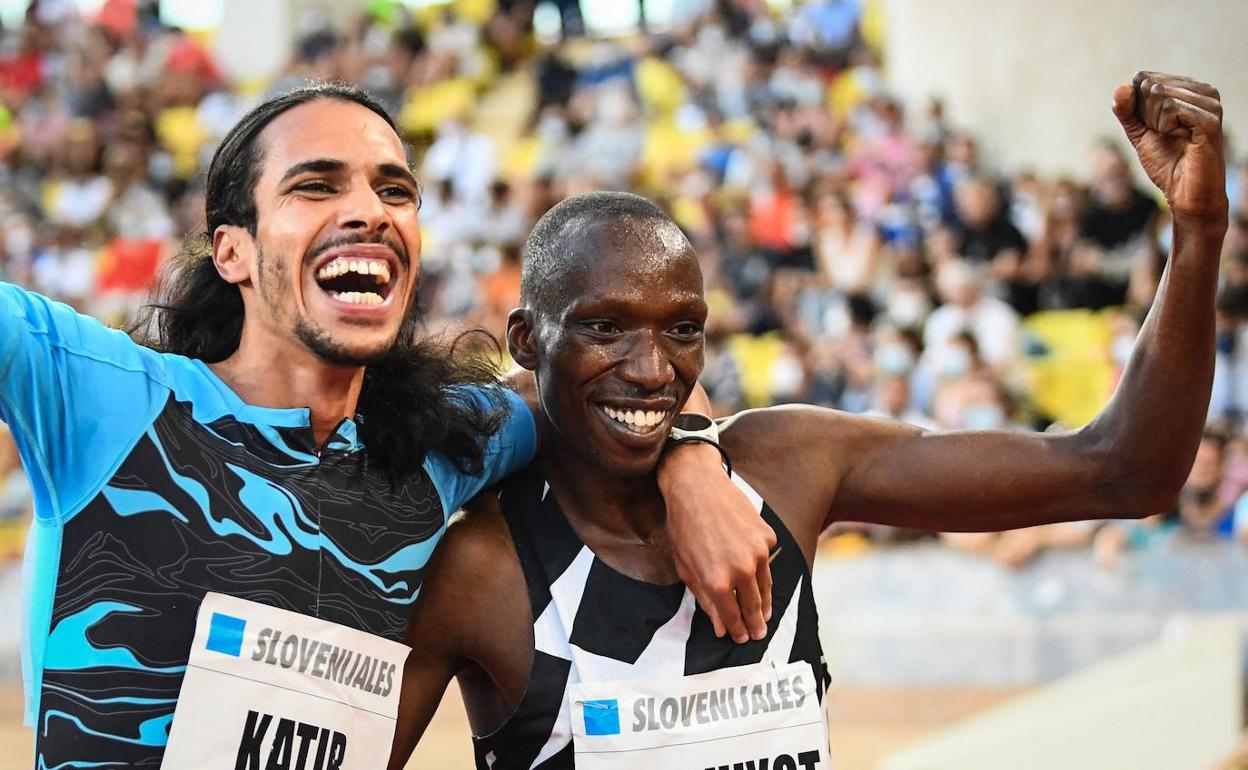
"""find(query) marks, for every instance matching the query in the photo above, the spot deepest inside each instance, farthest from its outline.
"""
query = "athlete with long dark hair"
(280, 435)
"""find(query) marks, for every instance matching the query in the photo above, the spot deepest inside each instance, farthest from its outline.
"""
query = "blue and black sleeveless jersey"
(154, 483)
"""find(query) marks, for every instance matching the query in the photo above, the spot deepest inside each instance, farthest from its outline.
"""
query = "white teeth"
(639, 420)
(380, 270)
(358, 297)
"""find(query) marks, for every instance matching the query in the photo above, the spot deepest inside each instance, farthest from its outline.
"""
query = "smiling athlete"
(557, 604)
(283, 437)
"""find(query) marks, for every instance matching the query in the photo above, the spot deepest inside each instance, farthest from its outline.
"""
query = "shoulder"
(796, 456)
(88, 343)
(756, 434)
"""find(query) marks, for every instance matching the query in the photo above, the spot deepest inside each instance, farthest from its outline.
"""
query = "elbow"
(1130, 487)
(1140, 492)
(1142, 503)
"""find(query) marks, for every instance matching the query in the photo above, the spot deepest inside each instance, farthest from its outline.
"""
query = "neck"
(603, 507)
(269, 374)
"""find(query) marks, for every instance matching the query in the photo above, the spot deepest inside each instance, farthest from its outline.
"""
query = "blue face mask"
(983, 416)
(893, 359)
(955, 363)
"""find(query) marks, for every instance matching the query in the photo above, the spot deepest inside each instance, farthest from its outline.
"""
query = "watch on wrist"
(694, 428)
(691, 425)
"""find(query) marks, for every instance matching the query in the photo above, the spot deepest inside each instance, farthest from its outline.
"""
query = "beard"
(275, 282)
(331, 351)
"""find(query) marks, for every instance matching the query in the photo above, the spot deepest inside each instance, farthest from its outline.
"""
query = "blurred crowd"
(859, 252)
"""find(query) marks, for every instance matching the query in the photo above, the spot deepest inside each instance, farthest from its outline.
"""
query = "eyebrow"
(318, 166)
(395, 171)
(330, 166)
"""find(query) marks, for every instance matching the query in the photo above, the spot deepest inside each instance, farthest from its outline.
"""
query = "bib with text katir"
(267, 688)
(763, 716)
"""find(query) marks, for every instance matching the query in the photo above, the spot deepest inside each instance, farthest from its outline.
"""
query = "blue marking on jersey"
(71, 765)
(283, 515)
(69, 647)
(280, 513)
(118, 699)
(152, 732)
(132, 502)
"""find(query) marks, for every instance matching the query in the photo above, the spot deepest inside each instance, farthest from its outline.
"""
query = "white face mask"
(907, 309)
(787, 376)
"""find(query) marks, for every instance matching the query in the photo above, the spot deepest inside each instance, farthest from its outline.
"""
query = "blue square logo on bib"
(225, 634)
(602, 717)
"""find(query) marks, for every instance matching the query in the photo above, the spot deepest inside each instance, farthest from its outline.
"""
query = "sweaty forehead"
(328, 129)
(628, 256)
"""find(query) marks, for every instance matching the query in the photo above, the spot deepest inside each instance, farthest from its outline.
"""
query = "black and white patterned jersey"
(594, 624)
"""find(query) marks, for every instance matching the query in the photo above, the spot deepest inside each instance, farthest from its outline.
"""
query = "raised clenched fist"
(1175, 125)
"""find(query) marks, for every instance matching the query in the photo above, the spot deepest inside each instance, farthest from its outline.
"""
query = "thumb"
(1125, 98)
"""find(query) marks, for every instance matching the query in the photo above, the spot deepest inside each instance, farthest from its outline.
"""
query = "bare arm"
(473, 615)
(1132, 459)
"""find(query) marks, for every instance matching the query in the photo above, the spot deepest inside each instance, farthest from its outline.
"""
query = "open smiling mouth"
(356, 281)
(637, 421)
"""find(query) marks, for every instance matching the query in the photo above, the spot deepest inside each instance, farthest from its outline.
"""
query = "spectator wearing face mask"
(896, 353)
(979, 402)
(991, 323)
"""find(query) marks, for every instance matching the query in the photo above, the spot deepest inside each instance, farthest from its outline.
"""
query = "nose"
(363, 210)
(647, 364)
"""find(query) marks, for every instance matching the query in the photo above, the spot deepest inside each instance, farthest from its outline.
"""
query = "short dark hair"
(547, 254)
(412, 400)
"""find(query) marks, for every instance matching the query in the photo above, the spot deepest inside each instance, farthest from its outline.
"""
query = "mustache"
(348, 240)
(638, 394)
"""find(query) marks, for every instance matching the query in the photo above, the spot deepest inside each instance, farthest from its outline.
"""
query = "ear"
(233, 250)
(522, 337)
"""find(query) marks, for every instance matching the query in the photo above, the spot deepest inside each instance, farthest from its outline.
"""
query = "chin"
(346, 349)
(633, 468)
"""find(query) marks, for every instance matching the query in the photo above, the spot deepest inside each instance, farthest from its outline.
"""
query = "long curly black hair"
(413, 400)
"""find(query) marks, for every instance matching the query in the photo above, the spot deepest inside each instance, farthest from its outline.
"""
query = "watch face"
(692, 422)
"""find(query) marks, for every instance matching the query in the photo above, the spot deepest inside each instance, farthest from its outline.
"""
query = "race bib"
(763, 716)
(269, 688)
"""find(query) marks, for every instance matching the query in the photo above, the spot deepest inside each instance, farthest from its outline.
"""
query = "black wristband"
(702, 440)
